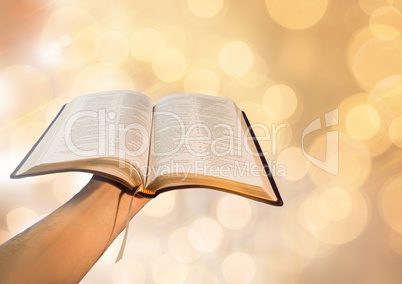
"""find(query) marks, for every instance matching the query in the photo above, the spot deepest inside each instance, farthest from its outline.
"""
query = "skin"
(62, 247)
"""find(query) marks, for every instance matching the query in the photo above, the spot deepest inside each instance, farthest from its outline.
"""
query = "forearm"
(66, 244)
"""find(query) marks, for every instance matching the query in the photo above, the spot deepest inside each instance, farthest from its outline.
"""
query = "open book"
(183, 141)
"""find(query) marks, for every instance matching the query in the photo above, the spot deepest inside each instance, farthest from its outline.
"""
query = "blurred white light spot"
(66, 40)
(113, 49)
(295, 163)
(69, 38)
(335, 204)
(180, 246)
(295, 14)
(236, 58)
(53, 48)
(386, 23)
(234, 212)
(280, 101)
(146, 44)
(20, 218)
(169, 65)
(205, 235)
(348, 215)
(362, 122)
(161, 206)
(312, 216)
(205, 8)
(238, 267)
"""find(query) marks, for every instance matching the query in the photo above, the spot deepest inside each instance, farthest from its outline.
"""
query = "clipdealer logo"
(109, 137)
(331, 162)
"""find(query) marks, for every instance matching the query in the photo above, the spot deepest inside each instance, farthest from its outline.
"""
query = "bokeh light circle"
(373, 133)
(296, 15)
(297, 232)
(321, 217)
(280, 101)
(386, 23)
(169, 65)
(312, 215)
(174, 36)
(205, 8)
(236, 58)
(258, 75)
(239, 267)
(372, 60)
(205, 234)
(335, 204)
(180, 247)
(234, 212)
(369, 7)
(114, 48)
(346, 222)
(160, 206)
(70, 38)
(295, 163)
(388, 93)
(353, 170)
(146, 44)
(362, 122)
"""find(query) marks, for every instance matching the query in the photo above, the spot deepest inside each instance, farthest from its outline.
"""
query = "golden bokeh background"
(321, 80)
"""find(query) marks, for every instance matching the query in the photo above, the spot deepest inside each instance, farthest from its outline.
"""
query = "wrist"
(112, 201)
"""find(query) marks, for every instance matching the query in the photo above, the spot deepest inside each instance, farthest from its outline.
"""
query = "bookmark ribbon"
(123, 244)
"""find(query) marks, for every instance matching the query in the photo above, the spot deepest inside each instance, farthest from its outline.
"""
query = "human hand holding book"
(183, 141)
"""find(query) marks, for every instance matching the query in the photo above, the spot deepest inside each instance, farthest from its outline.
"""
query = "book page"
(113, 124)
(201, 135)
